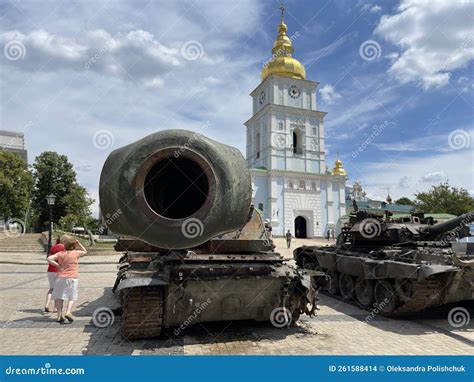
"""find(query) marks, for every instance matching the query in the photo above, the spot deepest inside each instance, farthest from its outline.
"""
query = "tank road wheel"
(364, 291)
(346, 286)
(142, 312)
(385, 297)
(333, 284)
(404, 288)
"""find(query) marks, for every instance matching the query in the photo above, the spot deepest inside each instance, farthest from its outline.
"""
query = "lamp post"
(50, 199)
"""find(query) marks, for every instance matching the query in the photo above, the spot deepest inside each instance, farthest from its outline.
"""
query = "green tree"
(405, 201)
(54, 174)
(16, 184)
(444, 198)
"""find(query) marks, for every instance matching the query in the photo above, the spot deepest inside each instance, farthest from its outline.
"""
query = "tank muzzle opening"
(176, 188)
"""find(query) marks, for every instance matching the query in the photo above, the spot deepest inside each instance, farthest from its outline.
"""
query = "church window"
(313, 185)
(290, 184)
(315, 131)
(297, 144)
(280, 125)
(302, 185)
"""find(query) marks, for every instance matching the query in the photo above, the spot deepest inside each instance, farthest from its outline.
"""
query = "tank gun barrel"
(175, 189)
(440, 228)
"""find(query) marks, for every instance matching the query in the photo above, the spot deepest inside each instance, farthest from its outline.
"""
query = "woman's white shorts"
(65, 288)
(52, 276)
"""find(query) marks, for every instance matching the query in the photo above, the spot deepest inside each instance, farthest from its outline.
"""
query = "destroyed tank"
(395, 267)
(195, 249)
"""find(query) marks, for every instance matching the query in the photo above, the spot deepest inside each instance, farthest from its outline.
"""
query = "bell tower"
(285, 147)
(286, 131)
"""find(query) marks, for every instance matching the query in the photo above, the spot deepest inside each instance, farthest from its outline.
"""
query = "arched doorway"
(300, 227)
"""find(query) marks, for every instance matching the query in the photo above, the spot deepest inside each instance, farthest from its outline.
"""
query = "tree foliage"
(444, 198)
(405, 201)
(16, 184)
(54, 174)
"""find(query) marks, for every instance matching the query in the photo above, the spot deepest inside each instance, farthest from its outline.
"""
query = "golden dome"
(338, 169)
(282, 63)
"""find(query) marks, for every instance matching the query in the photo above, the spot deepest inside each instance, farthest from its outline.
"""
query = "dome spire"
(338, 169)
(282, 62)
(282, 9)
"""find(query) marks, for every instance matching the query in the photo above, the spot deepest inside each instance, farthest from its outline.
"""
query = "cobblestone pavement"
(339, 328)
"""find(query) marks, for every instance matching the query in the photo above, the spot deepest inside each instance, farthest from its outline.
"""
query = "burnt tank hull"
(397, 281)
(233, 277)
(195, 250)
(399, 269)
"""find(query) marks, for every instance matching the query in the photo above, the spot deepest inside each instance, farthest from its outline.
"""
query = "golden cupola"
(282, 63)
(338, 169)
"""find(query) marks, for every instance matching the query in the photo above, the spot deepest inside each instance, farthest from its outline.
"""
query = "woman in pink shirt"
(65, 287)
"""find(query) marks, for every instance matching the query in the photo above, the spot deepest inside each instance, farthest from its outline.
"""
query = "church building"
(286, 152)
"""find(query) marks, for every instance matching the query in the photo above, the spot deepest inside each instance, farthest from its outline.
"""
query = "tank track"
(426, 293)
(142, 312)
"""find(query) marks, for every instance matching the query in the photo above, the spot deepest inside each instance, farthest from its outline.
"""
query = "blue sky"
(83, 78)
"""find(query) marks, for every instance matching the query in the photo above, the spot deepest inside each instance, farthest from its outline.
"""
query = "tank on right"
(397, 266)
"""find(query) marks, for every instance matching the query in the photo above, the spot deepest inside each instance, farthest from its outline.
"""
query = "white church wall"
(324, 205)
(296, 164)
(260, 192)
(302, 203)
(279, 213)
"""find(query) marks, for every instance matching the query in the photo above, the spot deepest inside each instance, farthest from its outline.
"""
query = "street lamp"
(50, 199)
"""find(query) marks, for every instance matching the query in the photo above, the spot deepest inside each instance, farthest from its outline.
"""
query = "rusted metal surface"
(226, 268)
(376, 253)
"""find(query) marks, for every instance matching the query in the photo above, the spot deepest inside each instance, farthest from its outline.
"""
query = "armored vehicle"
(195, 249)
(399, 268)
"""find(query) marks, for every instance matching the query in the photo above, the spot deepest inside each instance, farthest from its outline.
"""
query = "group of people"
(63, 259)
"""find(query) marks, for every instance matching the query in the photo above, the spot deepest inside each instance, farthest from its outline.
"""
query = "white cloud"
(432, 143)
(407, 175)
(435, 38)
(375, 9)
(329, 94)
(136, 55)
(435, 176)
